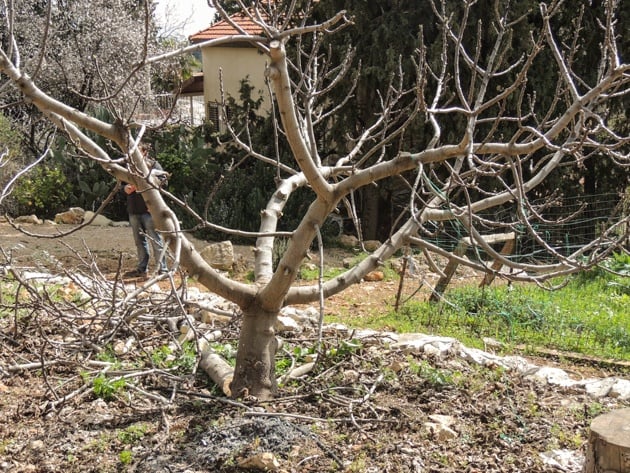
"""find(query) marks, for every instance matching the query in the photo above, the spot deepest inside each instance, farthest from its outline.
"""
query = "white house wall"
(236, 64)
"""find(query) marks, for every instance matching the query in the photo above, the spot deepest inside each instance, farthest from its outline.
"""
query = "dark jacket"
(135, 202)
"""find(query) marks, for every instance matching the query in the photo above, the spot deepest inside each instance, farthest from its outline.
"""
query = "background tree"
(397, 29)
(508, 144)
(83, 54)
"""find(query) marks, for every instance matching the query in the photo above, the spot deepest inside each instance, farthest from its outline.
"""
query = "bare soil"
(363, 408)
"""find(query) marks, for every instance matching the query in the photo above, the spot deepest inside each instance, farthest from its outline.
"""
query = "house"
(190, 102)
(229, 63)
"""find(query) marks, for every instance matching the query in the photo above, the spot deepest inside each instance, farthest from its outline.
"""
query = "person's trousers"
(143, 232)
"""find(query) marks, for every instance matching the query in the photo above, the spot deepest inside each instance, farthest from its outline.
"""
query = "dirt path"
(108, 244)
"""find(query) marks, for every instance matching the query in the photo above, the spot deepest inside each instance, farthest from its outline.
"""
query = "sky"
(183, 17)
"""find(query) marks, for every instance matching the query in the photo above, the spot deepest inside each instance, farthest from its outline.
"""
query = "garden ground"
(365, 408)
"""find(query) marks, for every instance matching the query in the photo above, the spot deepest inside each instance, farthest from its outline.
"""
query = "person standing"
(144, 231)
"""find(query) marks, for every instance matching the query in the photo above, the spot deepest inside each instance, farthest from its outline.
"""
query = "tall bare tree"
(508, 144)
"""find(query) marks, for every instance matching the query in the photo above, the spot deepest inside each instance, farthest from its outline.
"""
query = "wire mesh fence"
(564, 224)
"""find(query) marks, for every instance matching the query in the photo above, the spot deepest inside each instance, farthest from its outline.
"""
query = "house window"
(213, 116)
(216, 118)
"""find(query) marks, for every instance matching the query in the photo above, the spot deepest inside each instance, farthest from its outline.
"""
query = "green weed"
(434, 376)
(105, 388)
(227, 351)
(162, 357)
(183, 362)
(108, 355)
(125, 457)
(132, 434)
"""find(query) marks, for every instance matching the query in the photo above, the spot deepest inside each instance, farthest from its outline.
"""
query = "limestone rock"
(287, 324)
(309, 316)
(348, 241)
(33, 219)
(311, 313)
(563, 460)
(599, 388)
(122, 223)
(73, 216)
(444, 420)
(551, 375)
(374, 276)
(518, 363)
(440, 428)
(99, 220)
(372, 245)
(621, 389)
(417, 342)
(335, 329)
(219, 255)
(265, 461)
(36, 445)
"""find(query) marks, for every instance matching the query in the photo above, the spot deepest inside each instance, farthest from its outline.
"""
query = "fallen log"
(217, 369)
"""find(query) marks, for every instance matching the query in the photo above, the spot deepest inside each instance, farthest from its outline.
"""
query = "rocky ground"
(117, 394)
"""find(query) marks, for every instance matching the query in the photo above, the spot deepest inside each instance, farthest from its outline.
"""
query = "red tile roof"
(223, 28)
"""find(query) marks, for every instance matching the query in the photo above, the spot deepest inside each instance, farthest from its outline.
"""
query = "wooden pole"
(507, 249)
(609, 443)
(460, 250)
(451, 266)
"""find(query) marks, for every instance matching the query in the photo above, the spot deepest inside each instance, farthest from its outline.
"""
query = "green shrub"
(44, 192)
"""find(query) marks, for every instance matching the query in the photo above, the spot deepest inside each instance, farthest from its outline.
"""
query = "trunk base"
(255, 370)
(609, 443)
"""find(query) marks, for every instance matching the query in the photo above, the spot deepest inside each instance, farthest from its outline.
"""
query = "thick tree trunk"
(370, 214)
(609, 443)
(254, 374)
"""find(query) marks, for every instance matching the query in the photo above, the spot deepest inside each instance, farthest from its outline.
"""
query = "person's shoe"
(136, 273)
(162, 271)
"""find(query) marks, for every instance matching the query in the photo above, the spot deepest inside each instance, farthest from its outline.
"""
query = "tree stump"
(609, 443)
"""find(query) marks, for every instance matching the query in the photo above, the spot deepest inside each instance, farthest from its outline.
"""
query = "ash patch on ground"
(243, 437)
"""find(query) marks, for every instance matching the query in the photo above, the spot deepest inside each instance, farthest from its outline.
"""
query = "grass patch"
(310, 272)
(588, 316)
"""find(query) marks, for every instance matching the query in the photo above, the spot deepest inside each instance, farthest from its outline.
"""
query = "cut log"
(218, 369)
(609, 443)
